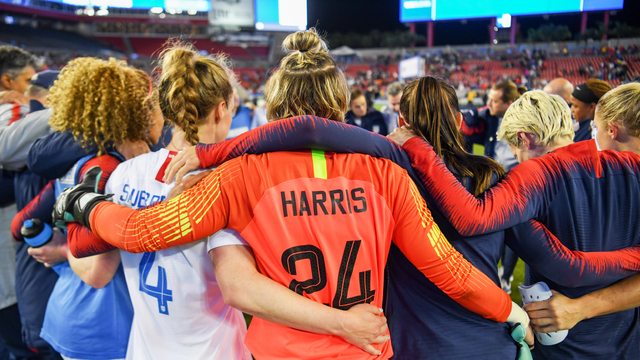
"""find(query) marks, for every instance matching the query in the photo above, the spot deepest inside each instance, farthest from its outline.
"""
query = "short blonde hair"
(622, 104)
(536, 112)
(308, 81)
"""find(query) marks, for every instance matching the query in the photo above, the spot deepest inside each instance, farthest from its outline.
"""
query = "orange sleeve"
(191, 216)
(422, 242)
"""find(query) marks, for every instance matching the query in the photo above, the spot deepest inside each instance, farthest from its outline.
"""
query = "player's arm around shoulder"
(98, 270)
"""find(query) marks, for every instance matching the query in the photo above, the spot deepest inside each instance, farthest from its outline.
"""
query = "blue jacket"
(373, 121)
(480, 127)
(584, 132)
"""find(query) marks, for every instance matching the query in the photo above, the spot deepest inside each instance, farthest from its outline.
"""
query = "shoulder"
(374, 112)
(107, 163)
(12, 112)
(483, 113)
(142, 164)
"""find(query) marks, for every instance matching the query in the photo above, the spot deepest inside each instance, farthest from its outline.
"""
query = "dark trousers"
(11, 344)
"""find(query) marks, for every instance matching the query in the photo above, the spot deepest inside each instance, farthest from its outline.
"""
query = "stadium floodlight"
(9, 20)
(192, 12)
(259, 26)
(504, 21)
(156, 10)
(103, 11)
(162, 16)
(89, 11)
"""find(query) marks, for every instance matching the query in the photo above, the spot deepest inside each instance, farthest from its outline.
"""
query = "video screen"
(431, 10)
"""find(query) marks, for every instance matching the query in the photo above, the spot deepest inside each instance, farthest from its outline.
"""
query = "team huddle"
(340, 242)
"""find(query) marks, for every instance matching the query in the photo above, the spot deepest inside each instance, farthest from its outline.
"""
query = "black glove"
(77, 202)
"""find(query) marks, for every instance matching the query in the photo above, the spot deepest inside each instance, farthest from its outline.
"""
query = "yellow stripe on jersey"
(319, 164)
(421, 206)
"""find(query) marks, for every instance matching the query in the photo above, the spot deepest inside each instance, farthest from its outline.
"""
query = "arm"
(525, 193)
(82, 242)
(53, 155)
(562, 313)
(197, 213)
(244, 288)
(469, 215)
(96, 271)
(541, 250)
(38, 208)
(473, 127)
(16, 139)
(296, 133)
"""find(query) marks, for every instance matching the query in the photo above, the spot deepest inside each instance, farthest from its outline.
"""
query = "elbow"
(232, 295)
(16, 225)
(96, 281)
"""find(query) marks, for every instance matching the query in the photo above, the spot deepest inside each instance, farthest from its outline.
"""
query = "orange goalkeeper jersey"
(319, 224)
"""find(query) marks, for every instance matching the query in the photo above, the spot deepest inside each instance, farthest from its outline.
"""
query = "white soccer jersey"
(179, 312)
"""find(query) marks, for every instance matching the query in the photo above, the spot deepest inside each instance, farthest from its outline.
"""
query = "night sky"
(362, 16)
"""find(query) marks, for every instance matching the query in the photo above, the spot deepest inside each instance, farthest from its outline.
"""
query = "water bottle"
(36, 233)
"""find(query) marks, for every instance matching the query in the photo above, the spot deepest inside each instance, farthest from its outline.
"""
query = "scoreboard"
(432, 10)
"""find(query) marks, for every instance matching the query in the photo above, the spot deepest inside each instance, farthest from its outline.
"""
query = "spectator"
(480, 126)
(584, 99)
(16, 69)
(561, 87)
(365, 117)
(390, 112)
(16, 139)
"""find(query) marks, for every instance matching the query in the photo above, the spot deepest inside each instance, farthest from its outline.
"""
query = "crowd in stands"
(144, 210)
(147, 29)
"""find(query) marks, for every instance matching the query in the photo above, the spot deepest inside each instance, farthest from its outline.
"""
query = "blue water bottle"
(36, 234)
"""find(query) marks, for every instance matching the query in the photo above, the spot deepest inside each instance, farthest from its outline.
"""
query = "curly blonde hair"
(192, 85)
(103, 101)
(308, 81)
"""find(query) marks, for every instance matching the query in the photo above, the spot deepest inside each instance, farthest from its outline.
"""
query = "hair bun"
(304, 41)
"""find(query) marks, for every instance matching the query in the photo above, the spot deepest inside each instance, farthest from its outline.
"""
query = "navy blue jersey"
(588, 199)
(422, 322)
(584, 132)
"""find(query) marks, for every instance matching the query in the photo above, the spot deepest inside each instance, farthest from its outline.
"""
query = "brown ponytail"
(308, 81)
(430, 106)
(191, 86)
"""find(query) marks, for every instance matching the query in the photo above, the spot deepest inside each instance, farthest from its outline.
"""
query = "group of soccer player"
(340, 242)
